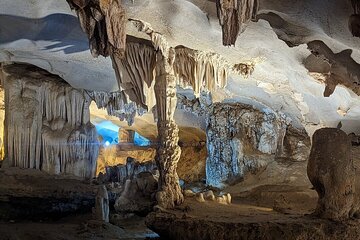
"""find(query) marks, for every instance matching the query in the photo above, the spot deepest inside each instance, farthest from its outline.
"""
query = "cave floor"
(35, 205)
(282, 213)
(76, 227)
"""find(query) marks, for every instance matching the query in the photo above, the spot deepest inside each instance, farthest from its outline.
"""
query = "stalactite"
(117, 104)
(137, 73)
(205, 71)
(354, 19)
(48, 123)
(104, 22)
(200, 70)
(233, 15)
(356, 6)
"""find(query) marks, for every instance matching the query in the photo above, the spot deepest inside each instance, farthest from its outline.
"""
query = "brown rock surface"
(211, 220)
(332, 173)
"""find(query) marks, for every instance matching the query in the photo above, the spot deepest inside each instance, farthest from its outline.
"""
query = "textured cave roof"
(47, 34)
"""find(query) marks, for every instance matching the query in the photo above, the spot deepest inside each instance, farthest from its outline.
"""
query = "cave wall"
(240, 139)
(2, 119)
(47, 123)
(114, 155)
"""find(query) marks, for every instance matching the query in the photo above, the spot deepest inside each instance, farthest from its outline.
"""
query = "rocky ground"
(36, 205)
(276, 202)
(75, 228)
(244, 220)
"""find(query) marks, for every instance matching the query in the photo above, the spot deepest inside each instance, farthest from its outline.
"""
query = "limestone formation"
(47, 123)
(233, 16)
(354, 20)
(200, 70)
(112, 158)
(356, 6)
(295, 146)
(332, 173)
(121, 173)
(101, 209)
(138, 194)
(228, 198)
(189, 193)
(336, 68)
(240, 139)
(168, 152)
(205, 70)
(200, 197)
(117, 104)
(222, 199)
(126, 136)
(135, 72)
(2, 118)
(209, 195)
(104, 23)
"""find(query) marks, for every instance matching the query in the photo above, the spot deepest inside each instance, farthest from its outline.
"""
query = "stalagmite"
(47, 123)
(126, 136)
(233, 15)
(2, 119)
(168, 152)
(200, 197)
(332, 173)
(101, 209)
(209, 195)
(189, 193)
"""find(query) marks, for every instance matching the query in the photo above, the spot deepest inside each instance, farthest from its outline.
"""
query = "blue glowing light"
(110, 134)
(140, 140)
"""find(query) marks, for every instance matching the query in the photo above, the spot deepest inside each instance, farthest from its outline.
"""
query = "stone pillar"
(168, 151)
(332, 173)
(101, 209)
(126, 136)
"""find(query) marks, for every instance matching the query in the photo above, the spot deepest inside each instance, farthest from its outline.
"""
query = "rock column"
(332, 173)
(168, 151)
(101, 210)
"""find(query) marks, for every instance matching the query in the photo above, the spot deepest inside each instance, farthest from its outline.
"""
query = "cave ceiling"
(315, 86)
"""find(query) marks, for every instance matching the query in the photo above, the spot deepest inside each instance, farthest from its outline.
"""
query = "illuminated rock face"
(240, 139)
(126, 136)
(47, 123)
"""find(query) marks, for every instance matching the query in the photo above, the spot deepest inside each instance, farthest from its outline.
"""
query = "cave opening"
(119, 144)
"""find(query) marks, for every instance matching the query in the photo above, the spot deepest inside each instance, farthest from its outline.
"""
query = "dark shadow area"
(62, 29)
